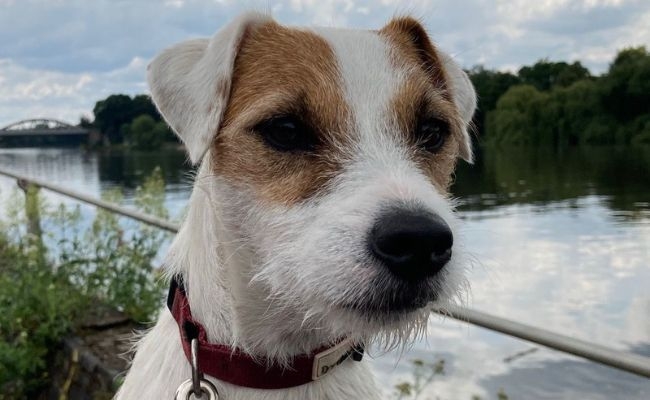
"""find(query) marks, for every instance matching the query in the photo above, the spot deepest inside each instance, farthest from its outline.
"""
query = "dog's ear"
(444, 71)
(464, 96)
(190, 83)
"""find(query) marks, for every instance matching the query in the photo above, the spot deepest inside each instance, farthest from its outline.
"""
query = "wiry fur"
(279, 279)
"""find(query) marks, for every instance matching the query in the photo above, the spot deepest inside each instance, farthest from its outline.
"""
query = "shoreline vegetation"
(549, 103)
(55, 269)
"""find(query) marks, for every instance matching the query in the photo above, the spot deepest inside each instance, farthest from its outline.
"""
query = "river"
(560, 239)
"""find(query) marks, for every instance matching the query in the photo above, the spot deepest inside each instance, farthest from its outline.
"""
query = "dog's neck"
(233, 311)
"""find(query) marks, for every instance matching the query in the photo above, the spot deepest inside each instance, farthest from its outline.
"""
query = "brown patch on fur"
(415, 100)
(426, 93)
(412, 46)
(278, 71)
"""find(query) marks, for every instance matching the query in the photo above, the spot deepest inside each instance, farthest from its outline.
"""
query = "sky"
(58, 57)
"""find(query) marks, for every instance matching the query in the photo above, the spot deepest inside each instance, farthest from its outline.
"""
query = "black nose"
(412, 244)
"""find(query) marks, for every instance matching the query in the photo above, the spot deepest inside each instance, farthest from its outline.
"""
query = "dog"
(320, 216)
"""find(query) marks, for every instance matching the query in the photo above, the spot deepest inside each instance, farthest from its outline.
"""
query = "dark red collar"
(235, 367)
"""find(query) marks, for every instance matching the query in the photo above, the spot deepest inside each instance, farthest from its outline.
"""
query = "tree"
(85, 122)
(490, 86)
(145, 133)
(142, 105)
(560, 117)
(626, 86)
(545, 74)
(584, 121)
(514, 121)
(111, 113)
(568, 74)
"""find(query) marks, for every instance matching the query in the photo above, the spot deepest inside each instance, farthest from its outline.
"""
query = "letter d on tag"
(326, 361)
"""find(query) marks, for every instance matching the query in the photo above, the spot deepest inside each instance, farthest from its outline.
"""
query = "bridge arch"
(37, 123)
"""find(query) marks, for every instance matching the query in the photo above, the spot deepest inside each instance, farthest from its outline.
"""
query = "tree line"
(133, 121)
(548, 103)
(562, 104)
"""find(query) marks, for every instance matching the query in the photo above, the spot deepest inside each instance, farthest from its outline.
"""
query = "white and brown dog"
(320, 216)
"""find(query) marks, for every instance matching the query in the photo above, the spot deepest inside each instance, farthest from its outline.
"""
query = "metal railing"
(106, 205)
(621, 360)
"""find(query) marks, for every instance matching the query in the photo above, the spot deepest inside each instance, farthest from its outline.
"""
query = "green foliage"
(145, 133)
(626, 87)
(111, 113)
(85, 122)
(142, 105)
(112, 263)
(518, 113)
(490, 85)
(120, 117)
(46, 284)
(560, 104)
(35, 303)
(118, 110)
(37, 310)
(545, 74)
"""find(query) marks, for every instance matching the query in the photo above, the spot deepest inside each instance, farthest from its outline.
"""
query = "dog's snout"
(412, 244)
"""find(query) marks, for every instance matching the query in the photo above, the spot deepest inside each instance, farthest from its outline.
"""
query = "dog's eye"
(286, 133)
(431, 134)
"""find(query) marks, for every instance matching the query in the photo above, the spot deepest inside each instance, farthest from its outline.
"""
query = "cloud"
(32, 93)
(61, 56)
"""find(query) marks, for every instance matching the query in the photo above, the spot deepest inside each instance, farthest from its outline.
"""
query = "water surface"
(560, 239)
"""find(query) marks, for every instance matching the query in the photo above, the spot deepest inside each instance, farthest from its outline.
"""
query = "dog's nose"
(412, 244)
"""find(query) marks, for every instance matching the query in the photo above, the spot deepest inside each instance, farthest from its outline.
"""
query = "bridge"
(42, 132)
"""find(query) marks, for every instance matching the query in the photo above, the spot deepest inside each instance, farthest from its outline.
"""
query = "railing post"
(32, 212)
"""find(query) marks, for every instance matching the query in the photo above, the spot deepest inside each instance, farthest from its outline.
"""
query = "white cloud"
(61, 56)
(30, 93)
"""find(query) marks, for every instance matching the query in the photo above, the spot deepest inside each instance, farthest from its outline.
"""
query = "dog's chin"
(393, 303)
(387, 325)
(394, 306)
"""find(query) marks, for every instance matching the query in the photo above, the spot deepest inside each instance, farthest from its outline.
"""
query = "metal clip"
(196, 386)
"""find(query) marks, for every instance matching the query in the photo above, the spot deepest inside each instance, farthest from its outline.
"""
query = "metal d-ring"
(185, 391)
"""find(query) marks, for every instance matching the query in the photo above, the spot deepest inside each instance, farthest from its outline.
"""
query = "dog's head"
(333, 151)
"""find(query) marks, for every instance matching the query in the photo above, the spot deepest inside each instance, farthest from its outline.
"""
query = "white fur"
(274, 280)
(185, 83)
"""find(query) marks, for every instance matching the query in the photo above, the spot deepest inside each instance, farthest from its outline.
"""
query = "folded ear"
(190, 83)
(445, 74)
(464, 97)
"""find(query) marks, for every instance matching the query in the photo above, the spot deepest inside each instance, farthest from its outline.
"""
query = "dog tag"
(329, 359)
(185, 391)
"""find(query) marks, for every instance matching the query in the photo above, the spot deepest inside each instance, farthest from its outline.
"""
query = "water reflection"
(561, 241)
(129, 169)
(570, 379)
(539, 176)
(97, 171)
